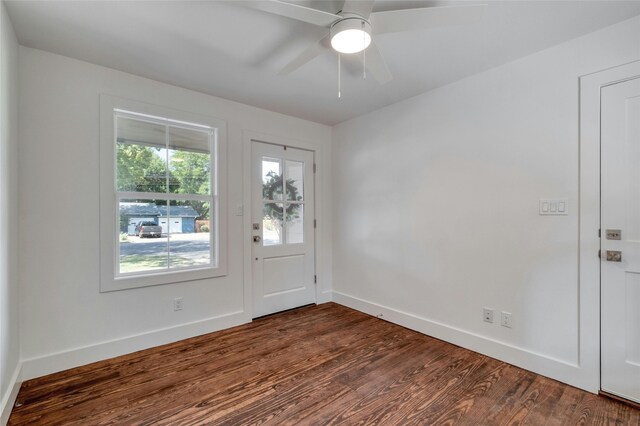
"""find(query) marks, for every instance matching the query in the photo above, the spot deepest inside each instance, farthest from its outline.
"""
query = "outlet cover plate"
(487, 315)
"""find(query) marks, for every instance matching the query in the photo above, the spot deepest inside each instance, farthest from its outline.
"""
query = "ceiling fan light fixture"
(350, 35)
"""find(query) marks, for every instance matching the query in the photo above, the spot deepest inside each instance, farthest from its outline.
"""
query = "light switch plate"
(554, 206)
(505, 319)
(177, 304)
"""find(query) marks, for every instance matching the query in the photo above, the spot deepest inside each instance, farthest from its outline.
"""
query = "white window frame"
(110, 278)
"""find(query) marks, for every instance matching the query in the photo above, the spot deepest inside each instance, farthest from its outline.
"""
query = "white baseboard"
(52, 363)
(557, 369)
(6, 405)
(324, 297)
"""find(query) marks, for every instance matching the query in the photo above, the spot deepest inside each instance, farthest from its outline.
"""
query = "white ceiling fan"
(353, 28)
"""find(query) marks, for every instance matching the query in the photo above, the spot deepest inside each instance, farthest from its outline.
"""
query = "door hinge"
(315, 279)
(598, 233)
(315, 224)
(599, 254)
(314, 167)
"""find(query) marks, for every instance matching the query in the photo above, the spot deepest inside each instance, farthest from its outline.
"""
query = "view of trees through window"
(142, 169)
(165, 197)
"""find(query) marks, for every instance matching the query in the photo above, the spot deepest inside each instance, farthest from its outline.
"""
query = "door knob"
(256, 238)
(614, 256)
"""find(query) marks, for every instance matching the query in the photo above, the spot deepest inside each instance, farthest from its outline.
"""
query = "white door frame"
(589, 263)
(322, 288)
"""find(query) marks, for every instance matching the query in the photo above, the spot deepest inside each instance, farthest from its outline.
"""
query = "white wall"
(64, 320)
(436, 207)
(9, 338)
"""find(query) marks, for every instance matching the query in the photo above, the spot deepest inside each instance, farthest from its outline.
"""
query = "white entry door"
(282, 228)
(620, 239)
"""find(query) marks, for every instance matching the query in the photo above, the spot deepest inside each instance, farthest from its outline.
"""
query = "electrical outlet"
(177, 304)
(505, 319)
(487, 314)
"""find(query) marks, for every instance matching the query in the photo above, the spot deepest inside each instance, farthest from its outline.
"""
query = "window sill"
(108, 284)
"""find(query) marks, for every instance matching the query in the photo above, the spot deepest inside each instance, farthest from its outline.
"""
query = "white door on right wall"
(620, 239)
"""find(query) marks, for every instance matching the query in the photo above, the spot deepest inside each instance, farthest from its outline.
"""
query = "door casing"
(322, 256)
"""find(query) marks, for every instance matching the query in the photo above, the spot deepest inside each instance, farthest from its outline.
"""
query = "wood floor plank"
(566, 406)
(377, 390)
(356, 341)
(317, 365)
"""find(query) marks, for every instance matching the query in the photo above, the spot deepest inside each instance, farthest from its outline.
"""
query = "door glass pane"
(143, 246)
(272, 215)
(271, 179)
(141, 156)
(189, 157)
(294, 171)
(295, 224)
(188, 223)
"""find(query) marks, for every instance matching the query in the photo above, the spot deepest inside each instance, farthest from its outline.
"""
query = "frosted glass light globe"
(351, 35)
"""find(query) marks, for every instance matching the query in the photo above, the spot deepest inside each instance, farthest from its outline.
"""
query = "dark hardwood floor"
(321, 365)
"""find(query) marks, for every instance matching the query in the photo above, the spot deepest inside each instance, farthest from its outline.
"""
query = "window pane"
(294, 170)
(141, 156)
(143, 247)
(188, 224)
(272, 215)
(189, 161)
(271, 179)
(295, 224)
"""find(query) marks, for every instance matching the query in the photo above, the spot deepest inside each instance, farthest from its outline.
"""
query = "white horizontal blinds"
(166, 170)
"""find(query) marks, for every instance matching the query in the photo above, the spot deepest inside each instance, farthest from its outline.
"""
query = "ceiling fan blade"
(428, 17)
(377, 65)
(359, 7)
(290, 10)
(308, 54)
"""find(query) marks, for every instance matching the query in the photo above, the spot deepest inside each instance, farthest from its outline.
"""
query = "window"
(160, 186)
(278, 209)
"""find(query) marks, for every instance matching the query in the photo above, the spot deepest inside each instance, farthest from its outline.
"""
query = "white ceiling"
(236, 53)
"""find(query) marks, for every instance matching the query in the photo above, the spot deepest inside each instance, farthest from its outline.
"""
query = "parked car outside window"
(148, 229)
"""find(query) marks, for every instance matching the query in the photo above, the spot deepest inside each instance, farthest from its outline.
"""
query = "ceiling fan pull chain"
(339, 94)
(364, 53)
